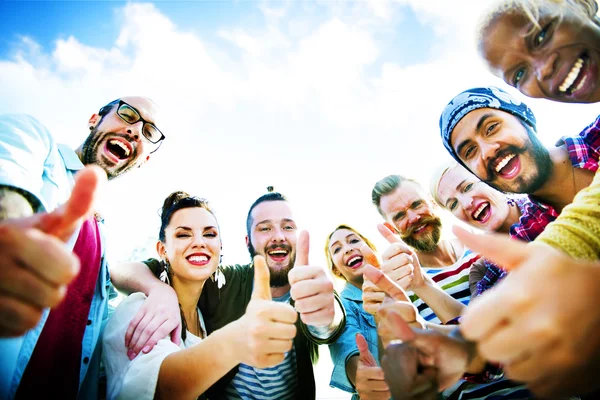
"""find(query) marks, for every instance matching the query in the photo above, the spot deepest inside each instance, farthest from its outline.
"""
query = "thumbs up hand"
(396, 300)
(268, 329)
(372, 295)
(370, 383)
(400, 263)
(36, 264)
(311, 290)
(542, 320)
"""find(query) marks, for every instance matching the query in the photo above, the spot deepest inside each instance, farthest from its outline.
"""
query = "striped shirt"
(453, 279)
(278, 382)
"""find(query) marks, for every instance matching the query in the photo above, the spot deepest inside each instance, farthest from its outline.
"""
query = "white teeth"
(479, 210)
(580, 84)
(420, 227)
(352, 259)
(278, 252)
(198, 258)
(572, 76)
(504, 161)
(115, 142)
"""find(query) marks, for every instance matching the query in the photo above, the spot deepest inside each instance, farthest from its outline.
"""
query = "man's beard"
(278, 277)
(89, 154)
(429, 240)
(522, 184)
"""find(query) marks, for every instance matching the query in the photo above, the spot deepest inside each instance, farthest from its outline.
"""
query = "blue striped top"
(277, 382)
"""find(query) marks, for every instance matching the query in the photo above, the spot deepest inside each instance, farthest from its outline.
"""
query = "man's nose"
(135, 131)
(413, 216)
(278, 235)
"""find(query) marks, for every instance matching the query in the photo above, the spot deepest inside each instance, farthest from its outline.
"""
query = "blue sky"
(96, 23)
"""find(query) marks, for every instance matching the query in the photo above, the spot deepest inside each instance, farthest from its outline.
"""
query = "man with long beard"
(272, 233)
(436, 271)
(53, 257)
(409, 211)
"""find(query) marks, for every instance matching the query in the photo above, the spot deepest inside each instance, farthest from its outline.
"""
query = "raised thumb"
(365, 355)
(302, 247)
(262, 279)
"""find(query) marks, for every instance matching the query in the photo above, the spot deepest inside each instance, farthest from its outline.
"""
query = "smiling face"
(344, 250)
(409, 210)
(472, 201)
(192, 244)
(559, 60)
(499, 150)
(115, 145)
(273, 235)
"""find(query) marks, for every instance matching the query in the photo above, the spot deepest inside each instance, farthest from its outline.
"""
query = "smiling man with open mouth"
(494, 136)
(122, 136)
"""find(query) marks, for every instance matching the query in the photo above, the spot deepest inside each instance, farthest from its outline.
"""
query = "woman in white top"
(190, 250)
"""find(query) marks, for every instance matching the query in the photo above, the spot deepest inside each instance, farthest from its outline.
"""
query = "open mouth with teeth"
(117, 150)
(354, 262)
(577, 76)
(278, 255)
(507, 166)
(198, 259)
(420, 228)
(483, 212)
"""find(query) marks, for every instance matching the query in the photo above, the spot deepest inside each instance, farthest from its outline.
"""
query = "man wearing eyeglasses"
(54, 280)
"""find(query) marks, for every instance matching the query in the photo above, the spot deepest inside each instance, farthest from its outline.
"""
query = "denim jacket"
(31, 160)
(357, 321)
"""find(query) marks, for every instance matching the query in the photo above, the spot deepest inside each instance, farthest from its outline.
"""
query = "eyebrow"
(187, 228)
(480, 123)
(347, 236)
(270, 221)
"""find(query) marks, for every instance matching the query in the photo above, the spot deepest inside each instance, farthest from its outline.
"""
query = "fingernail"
(146, 349)
(131, 354)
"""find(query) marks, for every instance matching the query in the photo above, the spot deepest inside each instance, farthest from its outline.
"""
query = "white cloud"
(309, 102)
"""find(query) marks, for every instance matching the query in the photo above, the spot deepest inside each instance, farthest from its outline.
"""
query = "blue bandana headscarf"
(472, 99)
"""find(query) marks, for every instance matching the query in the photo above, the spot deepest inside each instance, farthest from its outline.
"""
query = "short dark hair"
(107, 108)
(271, 196)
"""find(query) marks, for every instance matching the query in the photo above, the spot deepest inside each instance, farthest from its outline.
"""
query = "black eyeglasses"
(130, 115)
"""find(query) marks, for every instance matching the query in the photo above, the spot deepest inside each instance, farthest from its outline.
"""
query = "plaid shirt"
(584, 151)
(585, 147)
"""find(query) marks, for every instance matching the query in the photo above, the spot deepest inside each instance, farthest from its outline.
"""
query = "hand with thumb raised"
(311, 288)
(370, 383)
(37, 265)
(372, 295)
(543, 337)
(400, 262)
(268, 328)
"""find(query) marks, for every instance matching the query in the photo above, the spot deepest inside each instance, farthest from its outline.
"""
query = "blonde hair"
(328, 257)
(436, 178)
(532, 8)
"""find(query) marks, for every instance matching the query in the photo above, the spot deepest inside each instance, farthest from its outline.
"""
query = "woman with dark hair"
(190, 250)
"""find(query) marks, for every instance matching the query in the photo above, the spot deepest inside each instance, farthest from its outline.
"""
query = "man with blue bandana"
(494, 135)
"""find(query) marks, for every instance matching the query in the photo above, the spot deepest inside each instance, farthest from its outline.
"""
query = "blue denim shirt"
(357, 321)
(31, 160)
